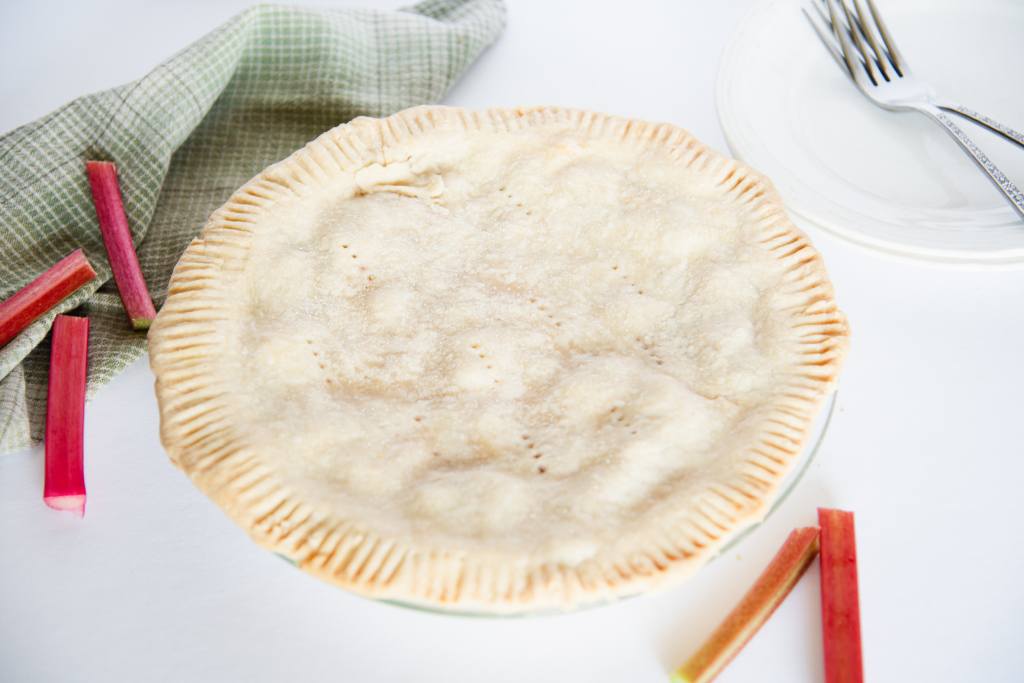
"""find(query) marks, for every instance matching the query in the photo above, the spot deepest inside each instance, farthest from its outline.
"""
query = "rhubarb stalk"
(65, 414)
(37, 297)
(840, 602)
(117, 237)
(767, 593)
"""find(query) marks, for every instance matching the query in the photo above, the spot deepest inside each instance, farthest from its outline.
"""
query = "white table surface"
(927, 444)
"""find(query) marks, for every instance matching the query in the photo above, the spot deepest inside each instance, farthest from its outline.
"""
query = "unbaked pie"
(497, 360)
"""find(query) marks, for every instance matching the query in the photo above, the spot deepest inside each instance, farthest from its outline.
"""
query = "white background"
(155, 584)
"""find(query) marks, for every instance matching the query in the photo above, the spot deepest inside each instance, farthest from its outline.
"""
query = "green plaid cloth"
(184, 138)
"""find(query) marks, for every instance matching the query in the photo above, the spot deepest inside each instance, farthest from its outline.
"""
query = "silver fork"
(864, 49)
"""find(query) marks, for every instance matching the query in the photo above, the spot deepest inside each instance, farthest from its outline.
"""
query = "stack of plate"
(893, 182)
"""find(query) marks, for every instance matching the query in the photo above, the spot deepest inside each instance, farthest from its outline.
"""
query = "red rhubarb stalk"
(65, 413)
(840, 602)
(767, 593)
(37, 297)
(117, 237)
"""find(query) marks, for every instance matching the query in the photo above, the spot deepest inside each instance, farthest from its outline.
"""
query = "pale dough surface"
(530, 345)
(516, 342)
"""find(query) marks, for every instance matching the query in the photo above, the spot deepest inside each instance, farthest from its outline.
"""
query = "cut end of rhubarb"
(75, 503)
(141, 323)
(100, 167)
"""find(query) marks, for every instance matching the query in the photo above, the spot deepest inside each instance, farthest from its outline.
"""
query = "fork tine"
(849, 53)
(828, 22)
(890, 44)
(859, 44)
(881, 59)
(826, 37)
(829, 29)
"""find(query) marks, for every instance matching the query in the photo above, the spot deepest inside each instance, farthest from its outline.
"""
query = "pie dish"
(505, 360)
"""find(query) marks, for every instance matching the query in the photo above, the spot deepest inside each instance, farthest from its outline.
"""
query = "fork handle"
(1010, 191)
(982, 120)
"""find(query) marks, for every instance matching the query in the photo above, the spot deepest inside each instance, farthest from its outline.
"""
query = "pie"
(500, 360)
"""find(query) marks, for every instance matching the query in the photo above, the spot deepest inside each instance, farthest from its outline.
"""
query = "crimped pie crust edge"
(198, 435)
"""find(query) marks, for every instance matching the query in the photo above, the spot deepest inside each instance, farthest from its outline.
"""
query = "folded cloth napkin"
(187, 135)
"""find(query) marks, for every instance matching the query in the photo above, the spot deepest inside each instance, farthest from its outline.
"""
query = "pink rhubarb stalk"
(117, 237)
(37, 297)
(65, 415)
(767, 593)
(840, 601)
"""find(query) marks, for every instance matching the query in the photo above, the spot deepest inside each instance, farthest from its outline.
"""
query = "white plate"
(891, 181)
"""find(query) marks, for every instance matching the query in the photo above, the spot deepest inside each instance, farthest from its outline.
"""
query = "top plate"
(890, 181)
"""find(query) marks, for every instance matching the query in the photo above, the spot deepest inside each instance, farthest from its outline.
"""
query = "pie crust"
(501, 360)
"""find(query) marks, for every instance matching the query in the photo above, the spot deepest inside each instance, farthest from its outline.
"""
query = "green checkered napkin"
(187, 135)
